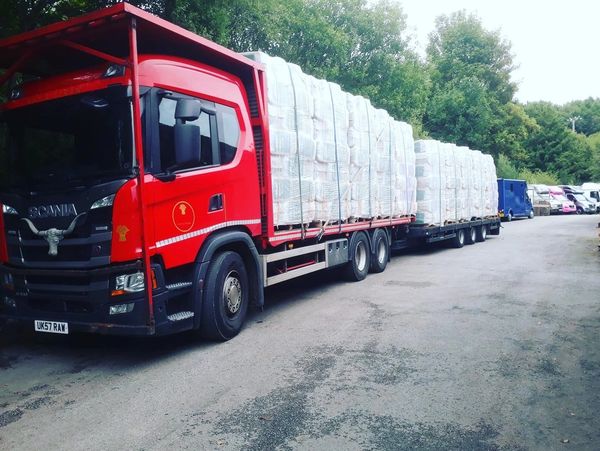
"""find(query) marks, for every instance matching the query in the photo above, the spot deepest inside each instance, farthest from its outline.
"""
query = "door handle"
(216, 202)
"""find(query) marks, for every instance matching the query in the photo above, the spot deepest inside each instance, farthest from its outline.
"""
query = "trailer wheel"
(226, 297)
(471, 237)
(509, 216)
(459, 240)
(381, 251)
(360, 257)
(481, 233)
(531, 214)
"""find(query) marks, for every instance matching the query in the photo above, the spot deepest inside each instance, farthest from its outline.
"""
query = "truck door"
(195, 173)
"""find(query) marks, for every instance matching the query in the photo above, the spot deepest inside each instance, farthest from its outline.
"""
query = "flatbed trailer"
(458, 233)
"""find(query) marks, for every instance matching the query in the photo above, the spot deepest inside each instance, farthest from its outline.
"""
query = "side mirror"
(187, 144)
(188, 109)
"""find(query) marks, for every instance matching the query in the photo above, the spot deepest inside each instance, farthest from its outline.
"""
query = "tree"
(554, 147)
(588, 113)
(471, 94)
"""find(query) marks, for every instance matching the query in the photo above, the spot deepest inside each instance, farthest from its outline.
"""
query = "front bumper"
(82, 298)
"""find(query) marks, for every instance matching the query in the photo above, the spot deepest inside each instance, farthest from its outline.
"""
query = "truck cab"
(513, 200)
(122, 167)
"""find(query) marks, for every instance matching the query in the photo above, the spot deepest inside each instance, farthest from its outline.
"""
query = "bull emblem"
(53, 236)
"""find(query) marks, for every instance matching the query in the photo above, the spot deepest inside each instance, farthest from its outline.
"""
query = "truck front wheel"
(360, 257)
(226, 297)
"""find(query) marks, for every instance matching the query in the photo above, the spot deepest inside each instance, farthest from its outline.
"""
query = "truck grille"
(88, 246)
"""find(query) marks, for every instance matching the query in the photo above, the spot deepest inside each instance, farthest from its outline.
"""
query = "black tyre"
(360, 257)
(531, 214)
(459, 240)
(471, 236)
(579, 210)
(226, 297)
(381, 251)
(509, 216)
(481, 233)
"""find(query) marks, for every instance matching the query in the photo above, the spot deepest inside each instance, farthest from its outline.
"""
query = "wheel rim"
(461, 236)
(381, 252)
(483, 232)
(473, 235)
(360, 256)
(232, 293)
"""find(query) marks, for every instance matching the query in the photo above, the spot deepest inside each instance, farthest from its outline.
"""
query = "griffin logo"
(53, 236)
(183, 216)
(122, 232)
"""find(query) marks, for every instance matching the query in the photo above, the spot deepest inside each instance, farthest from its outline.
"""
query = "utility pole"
(573, 120)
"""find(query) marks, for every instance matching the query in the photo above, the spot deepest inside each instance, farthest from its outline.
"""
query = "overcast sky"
(556, 44)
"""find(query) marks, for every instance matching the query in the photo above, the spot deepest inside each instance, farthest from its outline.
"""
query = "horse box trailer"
(513, 200)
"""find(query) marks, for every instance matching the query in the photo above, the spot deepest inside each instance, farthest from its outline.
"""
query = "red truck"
(111, 223)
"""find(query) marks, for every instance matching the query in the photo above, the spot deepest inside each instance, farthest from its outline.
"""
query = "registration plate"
(53, 327)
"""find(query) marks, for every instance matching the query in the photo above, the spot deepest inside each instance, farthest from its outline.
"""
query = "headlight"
(129, 283)
(104, 202)
(7, 209)
(114, 70)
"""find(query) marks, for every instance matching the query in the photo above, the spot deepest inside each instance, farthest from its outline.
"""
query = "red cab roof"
(106, 30)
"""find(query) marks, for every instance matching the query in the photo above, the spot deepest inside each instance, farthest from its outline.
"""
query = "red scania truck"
(112, 223)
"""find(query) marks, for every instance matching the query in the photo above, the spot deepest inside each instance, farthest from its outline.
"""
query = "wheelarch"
(227, 240)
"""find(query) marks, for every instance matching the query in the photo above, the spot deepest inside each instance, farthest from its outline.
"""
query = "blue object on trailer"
(513, 200)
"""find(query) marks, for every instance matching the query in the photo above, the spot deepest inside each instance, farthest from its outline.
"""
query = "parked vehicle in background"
(513, 200)
(582, 203)
(592, 192)
(541, 195)
(558, 194)
(592, 188)
(594, 196)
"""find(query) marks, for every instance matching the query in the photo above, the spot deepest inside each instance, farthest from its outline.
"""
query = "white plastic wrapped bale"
(429, 208)
(381, 182)
(332, 178)
(359, 142)
(449, 188)
(410, 163)
(490, 186)
(475, 207)
(333, 154)
(293, 148)
(463, 180)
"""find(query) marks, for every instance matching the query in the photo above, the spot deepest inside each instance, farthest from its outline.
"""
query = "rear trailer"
(461, 233)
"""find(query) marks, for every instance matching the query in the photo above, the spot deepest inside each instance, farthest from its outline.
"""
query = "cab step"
(179, 286)
(180, 316)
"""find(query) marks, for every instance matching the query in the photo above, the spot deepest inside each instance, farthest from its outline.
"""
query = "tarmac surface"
(492, 346)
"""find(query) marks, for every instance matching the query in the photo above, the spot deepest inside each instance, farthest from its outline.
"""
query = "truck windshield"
(80, 139)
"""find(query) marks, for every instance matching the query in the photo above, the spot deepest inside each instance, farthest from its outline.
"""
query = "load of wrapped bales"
(334, 157)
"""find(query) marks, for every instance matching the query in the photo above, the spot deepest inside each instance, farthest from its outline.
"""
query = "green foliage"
(555, 148)
(505, 168)
(471, 94)
(588, 113)
(539, 177)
